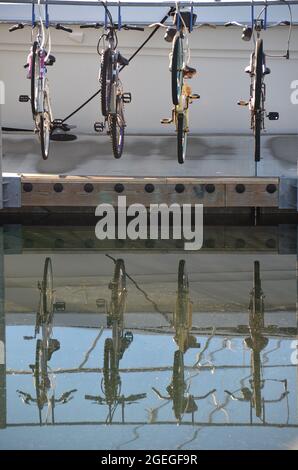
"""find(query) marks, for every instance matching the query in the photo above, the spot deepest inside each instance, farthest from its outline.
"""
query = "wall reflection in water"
(148, 339)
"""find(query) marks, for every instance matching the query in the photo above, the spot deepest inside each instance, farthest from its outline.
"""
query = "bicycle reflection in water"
(114, 348)
(44, 382)
(183, 402)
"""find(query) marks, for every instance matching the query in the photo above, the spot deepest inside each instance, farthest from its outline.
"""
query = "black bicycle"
(257, 70)
(112, 96)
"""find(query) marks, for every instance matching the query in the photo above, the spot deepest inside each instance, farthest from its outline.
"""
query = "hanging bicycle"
(257, 70)
(112, 96)
(38, 60)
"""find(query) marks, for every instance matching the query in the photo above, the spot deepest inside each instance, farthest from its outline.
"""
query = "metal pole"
(2, 339)
(115, 3)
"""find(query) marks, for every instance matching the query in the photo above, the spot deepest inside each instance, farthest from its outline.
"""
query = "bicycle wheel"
(108, 370)
(35, 75)
(38, 373)
(257, 104)
(47, 290)
(44, 128)
(119, 288)
(178, 385)
(177, 69)
(181, 138)
(183, 283)
(106, 81)
(116, 128)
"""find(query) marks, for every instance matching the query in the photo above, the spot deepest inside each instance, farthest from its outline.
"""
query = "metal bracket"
(288, 193)
(11, 191)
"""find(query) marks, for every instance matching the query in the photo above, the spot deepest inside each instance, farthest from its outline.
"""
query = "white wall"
(219, 55)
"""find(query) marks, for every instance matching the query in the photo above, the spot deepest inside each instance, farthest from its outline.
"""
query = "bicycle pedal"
(195, 97)
(24, 98)
(126, 98)
(166, 121)
(242, 103)
(273, 116)
(99, 126)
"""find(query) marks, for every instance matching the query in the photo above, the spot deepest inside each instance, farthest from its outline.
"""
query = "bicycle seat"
(122, 60)
(51, 60)
(267, 71)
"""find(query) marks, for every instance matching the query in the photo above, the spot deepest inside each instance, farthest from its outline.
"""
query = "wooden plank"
(89, 191)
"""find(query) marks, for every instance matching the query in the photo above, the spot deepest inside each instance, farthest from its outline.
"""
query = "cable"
(129, 60)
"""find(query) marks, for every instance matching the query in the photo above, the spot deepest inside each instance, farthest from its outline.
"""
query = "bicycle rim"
(257, 97)
(181, 138)
(116, 128)
(106, 81)
(48, 291)
(44, 125)
(177, 69)
(119, 288)
(35, 74)
(178, 384)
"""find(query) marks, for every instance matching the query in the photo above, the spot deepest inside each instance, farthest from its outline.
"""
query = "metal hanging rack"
(144, 4)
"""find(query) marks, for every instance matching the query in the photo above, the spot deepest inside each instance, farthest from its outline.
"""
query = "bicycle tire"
(34, 70)
(178, 384)
(106, 76)
(181, 139)
(44, 133)
(257, 98)
(176, 70)
(47, 285)
(117, 131)
(108, 368)
(119, 287)
(37, 372)
(183, 283)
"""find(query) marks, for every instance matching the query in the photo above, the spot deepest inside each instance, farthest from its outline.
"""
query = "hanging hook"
(252, 15)
(47, 15)
(191, 18)
(33, 14)
(106, 16)
(178, 16)
(119, 16)
(265, 15)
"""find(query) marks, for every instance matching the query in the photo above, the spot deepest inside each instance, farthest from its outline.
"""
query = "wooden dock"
(89, 191)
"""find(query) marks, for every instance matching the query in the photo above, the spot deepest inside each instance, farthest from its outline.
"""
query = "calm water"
(145, 346)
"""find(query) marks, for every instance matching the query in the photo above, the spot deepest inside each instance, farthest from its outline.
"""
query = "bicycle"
(182, 95)
(115, 347)
(256, 342)
(112, 96)
(39, 58)
(45, 347)
(257, 71)
(183, 402)
(183, 313)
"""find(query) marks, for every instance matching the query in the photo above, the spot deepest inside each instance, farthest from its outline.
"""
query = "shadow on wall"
(284, 148)
(69, 156)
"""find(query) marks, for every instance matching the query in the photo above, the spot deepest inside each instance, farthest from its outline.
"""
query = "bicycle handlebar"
(56, 26)
(16, 26)
(63, 28)
(126, 27)
(241, 25)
